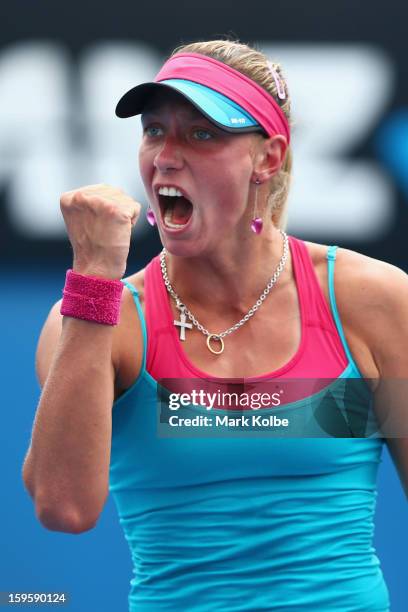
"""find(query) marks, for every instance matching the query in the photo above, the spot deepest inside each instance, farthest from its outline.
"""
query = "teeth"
(168, 222)
(170, 191)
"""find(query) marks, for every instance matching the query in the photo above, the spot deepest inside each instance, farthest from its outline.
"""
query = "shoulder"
(364, 276)
(137, 279)
(368, 287)
(129, 324)
(128, 338)
(371, 297)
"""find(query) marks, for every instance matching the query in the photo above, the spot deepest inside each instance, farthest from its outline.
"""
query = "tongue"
(182, 210)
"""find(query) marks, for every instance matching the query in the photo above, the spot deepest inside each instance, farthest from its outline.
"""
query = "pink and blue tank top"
(246, 523)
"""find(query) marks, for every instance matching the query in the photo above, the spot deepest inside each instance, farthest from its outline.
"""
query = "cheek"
(145, 166)
(235, 180)
(224, 185)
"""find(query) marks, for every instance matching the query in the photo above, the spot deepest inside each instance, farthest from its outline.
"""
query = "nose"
(169, 156)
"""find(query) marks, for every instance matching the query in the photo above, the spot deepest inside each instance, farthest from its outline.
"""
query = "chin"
(180, 249)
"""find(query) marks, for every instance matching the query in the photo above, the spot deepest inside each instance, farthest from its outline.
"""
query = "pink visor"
(220, 77)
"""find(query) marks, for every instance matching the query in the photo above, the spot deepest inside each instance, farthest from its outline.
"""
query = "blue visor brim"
(219, 109)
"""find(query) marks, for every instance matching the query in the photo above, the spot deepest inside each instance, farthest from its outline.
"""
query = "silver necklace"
(182, 323)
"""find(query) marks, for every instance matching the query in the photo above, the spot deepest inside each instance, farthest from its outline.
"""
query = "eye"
(151, 130)
(201, 134)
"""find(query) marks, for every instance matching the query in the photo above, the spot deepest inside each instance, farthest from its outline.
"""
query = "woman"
(216, 522)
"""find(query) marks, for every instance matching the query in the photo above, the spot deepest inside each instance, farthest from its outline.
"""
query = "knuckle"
(78, 197)
(111, 209)
(93, 200)
(66, 198)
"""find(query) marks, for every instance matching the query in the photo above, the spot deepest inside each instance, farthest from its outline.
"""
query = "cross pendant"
(183, 325)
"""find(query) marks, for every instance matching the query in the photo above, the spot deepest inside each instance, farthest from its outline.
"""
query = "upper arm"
(372, 297)
(391, 349)
(375, 307)
(379, 296)
(48, 343)
(386, 290)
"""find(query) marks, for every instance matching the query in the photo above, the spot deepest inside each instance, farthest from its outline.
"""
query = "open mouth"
(176, 211)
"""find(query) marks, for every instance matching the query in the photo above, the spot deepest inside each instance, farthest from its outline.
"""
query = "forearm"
(68, 461)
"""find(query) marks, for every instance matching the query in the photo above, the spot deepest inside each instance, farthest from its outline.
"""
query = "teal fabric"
(245, 524)
(213, 104)
(331, 256)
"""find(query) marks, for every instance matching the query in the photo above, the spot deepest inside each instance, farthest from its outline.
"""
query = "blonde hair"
(256, 66)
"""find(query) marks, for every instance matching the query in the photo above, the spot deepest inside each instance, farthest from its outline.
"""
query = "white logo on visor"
(238, 119)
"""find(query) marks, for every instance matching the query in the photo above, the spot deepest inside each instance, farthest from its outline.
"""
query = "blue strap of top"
(135, 294)
(331, 256)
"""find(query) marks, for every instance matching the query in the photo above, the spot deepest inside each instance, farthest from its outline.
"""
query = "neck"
(231, 277)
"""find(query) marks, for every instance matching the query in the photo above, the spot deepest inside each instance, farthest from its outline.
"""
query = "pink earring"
(150, 216)
(256, 223)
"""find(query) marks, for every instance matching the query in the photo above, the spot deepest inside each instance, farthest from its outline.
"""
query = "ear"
(270, 157)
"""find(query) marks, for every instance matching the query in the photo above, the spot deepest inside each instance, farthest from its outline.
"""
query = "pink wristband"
(92, 298)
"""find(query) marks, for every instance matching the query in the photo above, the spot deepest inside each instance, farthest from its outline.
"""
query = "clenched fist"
(99, 221)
